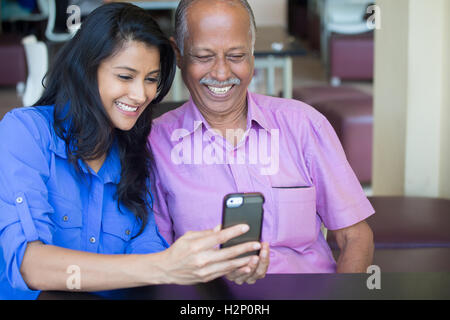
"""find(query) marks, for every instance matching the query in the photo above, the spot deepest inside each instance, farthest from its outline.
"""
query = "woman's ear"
(178, 54)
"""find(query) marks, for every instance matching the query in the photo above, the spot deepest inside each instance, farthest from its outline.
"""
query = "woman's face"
(128, 81)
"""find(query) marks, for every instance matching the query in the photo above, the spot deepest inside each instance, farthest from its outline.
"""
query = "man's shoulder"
(170, 120)
(289, 109)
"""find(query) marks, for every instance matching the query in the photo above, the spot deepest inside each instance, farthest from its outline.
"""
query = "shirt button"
(127, 232)
(65, 218)
(19, 199)
(92, 240)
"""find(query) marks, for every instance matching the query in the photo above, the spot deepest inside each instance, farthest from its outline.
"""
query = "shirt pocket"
(68, 221)
(296, 216)
(117, 231)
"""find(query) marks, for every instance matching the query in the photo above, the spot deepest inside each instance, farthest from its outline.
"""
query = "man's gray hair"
(181, 28)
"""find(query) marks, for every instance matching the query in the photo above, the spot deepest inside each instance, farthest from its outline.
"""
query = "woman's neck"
(96, 164)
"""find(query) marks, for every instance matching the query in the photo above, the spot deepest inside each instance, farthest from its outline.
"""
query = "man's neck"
(236, 121)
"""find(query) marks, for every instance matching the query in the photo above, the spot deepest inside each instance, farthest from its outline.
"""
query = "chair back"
(37, 61)
(43, 7)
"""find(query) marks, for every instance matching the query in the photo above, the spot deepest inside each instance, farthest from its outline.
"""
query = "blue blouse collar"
(111, 168)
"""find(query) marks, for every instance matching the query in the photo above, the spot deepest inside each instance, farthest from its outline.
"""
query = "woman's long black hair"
(85, 125)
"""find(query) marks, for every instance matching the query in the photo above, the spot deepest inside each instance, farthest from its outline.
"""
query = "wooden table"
(274, 48)
(408, 285)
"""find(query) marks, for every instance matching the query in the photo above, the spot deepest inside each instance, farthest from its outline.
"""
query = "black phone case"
(250, 212)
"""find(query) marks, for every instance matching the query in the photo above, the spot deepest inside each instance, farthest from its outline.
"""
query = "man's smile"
(219, 90)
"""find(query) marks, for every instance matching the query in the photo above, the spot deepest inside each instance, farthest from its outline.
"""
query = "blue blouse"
(43, 198)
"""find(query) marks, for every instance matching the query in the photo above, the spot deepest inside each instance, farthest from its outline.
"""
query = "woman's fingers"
(219, 269)
(207, 257)
(263, 265)
(196, 258)
(207, 239)
(255, 270)
(241, 274)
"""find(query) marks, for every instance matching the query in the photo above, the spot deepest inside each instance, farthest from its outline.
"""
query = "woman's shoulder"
(40, 115)
(22, 122)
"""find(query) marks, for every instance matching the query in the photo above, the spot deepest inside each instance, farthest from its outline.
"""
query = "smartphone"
(243, 208)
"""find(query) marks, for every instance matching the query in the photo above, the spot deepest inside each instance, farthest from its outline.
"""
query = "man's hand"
(254, 270)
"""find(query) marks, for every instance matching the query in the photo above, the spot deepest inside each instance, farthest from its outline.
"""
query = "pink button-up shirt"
(289, 153)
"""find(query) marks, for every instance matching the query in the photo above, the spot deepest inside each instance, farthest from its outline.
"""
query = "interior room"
(378, 70)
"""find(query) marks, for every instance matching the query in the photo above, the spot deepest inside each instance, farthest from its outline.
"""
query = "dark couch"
(350, 112)
(411, 234)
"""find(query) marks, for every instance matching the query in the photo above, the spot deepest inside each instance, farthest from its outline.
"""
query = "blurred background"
(379, 70)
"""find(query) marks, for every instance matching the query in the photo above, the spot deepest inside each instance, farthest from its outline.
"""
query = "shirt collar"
(193, 119)
(111, 168)
(256, 113)
(58, 145)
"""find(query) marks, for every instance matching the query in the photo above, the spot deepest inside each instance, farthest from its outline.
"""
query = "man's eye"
(236, 57)
(203, 58)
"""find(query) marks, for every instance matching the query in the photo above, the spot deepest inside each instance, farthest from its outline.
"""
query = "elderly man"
(227, 140)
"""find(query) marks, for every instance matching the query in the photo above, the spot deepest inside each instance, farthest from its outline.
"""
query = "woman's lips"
(126, 108)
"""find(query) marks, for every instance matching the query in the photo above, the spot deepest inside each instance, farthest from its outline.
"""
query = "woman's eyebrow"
(126, 68)
(134, 70)
(154, 71)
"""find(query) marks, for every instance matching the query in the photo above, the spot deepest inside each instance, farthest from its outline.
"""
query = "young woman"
(75, 202)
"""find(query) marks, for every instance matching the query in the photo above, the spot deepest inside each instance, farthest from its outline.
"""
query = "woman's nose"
(137, 93)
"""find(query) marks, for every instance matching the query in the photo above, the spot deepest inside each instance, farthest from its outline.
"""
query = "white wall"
(412, 102)
(445, 120)
(269, 12)
(390, 98)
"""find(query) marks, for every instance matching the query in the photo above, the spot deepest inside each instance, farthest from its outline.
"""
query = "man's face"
(218, 63)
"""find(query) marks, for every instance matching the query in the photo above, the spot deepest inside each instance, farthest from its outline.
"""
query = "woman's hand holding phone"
(196, 257)
(254, 270)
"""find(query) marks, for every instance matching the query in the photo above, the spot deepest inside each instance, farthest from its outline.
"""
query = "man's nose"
(221, 70)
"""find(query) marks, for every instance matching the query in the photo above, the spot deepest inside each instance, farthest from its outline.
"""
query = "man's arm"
(356, 244)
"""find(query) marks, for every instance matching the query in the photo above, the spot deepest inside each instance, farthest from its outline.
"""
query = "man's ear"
(177, 51)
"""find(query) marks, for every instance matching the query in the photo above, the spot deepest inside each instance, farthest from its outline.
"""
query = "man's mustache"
(212, 82)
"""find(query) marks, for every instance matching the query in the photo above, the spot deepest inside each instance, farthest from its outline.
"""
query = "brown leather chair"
(317, 94)
(410, 234)
(352, 56)
(13, 65)
(350, 112)
(352, 120)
